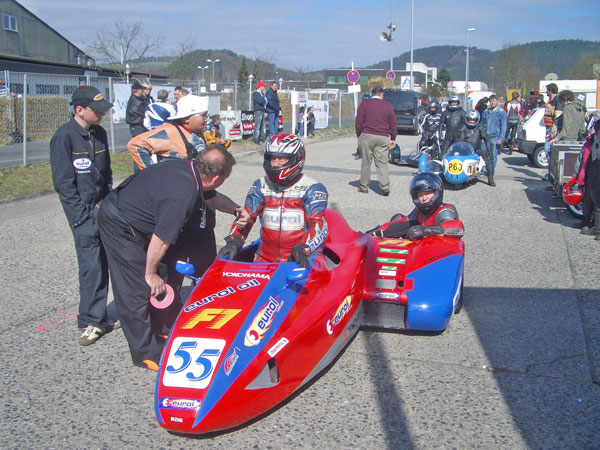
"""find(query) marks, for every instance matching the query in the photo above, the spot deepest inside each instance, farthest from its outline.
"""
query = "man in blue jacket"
(494, 121)
(273, 109)
(82, 176)
(259, 105)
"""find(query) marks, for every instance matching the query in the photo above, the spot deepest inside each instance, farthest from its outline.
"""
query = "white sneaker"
(90, 335)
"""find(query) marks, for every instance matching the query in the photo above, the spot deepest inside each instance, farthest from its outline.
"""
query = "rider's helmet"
(289, 146)
(434, 106)
(454, 102)
(472, 118)
(423, 182)
(572, 193)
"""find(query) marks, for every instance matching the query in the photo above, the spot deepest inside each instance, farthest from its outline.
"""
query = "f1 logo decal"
(216, 318)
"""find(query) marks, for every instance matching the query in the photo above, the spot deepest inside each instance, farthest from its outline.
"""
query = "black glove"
(300, 255)
(415, 232)
(232, 246)
(377, 231)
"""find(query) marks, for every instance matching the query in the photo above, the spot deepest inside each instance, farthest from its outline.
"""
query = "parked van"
(410, 108)
(531, 137)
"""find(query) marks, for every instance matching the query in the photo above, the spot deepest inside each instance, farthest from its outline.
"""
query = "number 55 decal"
(192, 361)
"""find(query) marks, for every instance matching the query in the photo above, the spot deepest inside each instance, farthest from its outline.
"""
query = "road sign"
(390, 74)
(354, 88)
(405, 82)
(353, 76)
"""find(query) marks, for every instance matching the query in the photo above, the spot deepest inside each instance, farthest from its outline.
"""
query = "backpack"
(513, 113)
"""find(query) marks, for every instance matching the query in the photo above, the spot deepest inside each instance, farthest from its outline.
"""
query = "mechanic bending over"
(431, 217)
(290, 206)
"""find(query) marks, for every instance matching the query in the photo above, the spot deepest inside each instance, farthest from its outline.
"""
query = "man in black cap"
(82, 176)
(136, 109)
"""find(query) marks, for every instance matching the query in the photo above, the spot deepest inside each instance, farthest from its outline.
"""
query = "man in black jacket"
(453, 120)
(136, 109)
(259, 106)
(474, 133)
(273, 109)
(82, 176)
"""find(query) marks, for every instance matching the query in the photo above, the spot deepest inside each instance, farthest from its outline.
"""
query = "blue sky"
(317, 34)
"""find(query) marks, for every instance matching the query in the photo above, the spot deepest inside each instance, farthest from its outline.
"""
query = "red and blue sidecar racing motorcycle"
(251, 334)
(459, 166)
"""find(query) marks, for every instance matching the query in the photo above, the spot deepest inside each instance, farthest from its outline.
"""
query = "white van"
(531, 137)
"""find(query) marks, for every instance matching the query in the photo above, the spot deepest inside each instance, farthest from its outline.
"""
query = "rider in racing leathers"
(474, 133)
(453, 119)
(290, 206)
(431, 216)
(430, 127)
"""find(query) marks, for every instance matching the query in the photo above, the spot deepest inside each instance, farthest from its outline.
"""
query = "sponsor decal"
(318, 239)
(401, 242)
(394, 250)
(436, 257)
(339, 314)
(247, 275)
(176, 419)
(277, 347)
(216, 318)
(288, 219)
(179, 403)
(261, 323)
(391, 260)
(231, 360)
(82, 163)
(387, 273)
(235, 130)
(319, 196)
(383, 283)
(387, 295)
(206, 300)
(389, 268)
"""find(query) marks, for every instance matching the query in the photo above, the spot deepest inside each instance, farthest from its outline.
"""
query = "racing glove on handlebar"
(300, 254)
(419, 232)
(232, 246)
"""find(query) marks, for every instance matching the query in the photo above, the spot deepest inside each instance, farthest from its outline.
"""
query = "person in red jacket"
(431, 216)
(289, 204)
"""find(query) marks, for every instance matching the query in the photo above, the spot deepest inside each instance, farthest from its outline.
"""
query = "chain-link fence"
(33, 106)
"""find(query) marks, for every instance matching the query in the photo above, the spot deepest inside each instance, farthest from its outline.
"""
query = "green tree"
(256, 73)
(444, 77)
(584, 69)
(243, 72)
(434, 90)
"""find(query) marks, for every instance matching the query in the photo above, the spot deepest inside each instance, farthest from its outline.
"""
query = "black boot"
(595, 230)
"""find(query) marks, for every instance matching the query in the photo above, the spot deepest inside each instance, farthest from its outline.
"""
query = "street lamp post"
(467, 68)
(280, 83)
(213, 64)
(250, 77)
(203, 68)
(492, 69)
(127, 72)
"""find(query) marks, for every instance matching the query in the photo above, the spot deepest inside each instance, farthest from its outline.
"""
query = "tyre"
(539, 157)
(530, 157)
(459, 303)
(576, 210)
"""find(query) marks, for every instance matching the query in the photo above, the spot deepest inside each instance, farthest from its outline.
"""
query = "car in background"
(531, 137)
(410, 108)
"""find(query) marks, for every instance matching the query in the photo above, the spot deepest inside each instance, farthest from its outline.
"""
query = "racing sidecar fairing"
(251, 334)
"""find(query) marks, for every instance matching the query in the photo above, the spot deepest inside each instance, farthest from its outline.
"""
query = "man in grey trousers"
(376, 131)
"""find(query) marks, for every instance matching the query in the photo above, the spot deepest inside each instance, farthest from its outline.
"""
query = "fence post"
(340, 109)
(111, 96)
(24, 120)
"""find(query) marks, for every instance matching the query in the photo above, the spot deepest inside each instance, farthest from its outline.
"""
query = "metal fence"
(34, 105)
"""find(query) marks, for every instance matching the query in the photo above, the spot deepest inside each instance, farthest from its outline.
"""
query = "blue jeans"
(259, 126)
(495, 152)
(273, 124)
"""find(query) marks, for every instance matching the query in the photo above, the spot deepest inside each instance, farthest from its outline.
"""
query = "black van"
(410, 108)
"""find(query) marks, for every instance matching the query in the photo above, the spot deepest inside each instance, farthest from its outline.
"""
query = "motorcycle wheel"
(576, 210)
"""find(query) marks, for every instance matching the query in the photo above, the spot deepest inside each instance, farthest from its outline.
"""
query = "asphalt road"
(518, 368)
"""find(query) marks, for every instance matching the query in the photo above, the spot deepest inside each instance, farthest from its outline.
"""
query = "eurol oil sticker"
(82, 163)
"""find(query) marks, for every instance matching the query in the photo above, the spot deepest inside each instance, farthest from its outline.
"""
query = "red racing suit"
(443, 221)
(288, 216)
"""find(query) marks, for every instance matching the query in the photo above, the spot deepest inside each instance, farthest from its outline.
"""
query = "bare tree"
(264, 63)
(125, 44)
(511, 66)
(185, 66)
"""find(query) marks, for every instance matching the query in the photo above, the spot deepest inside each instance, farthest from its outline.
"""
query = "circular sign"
(390, 74)
(353, 76)
(455, 167)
